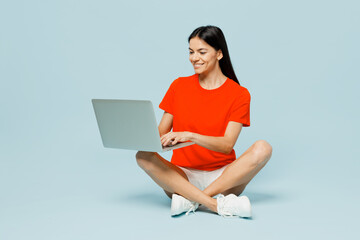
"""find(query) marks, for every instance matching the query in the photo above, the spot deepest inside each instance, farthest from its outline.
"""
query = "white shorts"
(201, 179)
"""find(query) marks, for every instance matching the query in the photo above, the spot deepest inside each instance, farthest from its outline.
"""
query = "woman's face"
(202, 56)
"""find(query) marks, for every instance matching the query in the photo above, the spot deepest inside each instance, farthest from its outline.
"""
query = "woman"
(208, 108)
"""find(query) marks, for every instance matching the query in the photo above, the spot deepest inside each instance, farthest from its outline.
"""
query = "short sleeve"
(240, 111)
(167, 103)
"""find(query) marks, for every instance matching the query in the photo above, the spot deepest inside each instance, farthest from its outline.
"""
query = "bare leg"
(172, 179)
(240, 172)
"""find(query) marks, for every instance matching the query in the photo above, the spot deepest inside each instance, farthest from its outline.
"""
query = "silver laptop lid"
(127, 124)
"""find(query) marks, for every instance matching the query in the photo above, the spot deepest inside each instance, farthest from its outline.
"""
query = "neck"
(212, 79)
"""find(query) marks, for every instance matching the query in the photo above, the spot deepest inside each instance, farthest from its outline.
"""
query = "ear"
(219, 55)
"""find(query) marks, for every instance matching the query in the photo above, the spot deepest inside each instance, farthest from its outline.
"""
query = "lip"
(198, 65)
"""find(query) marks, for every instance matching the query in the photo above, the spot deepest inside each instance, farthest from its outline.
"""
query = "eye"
(191, 52)
(202, 52)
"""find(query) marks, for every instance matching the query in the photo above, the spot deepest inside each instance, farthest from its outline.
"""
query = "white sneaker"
(180, 204)
(231, 205)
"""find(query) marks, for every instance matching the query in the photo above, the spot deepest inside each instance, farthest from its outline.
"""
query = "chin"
(198, 71)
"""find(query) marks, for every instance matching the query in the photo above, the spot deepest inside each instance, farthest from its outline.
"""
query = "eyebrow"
(199, 49)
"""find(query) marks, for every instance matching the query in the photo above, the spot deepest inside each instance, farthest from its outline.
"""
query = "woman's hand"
(174, 137)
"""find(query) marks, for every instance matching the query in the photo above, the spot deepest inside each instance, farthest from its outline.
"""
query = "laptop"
(129, 124)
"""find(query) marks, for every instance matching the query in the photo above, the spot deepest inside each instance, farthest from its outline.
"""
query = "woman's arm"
(223, 144)
(166, 123)
(219, 144)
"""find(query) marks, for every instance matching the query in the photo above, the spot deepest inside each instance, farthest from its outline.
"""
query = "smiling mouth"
(198, 65)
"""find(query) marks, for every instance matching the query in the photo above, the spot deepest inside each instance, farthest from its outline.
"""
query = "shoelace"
(221, 211)
(192, 209)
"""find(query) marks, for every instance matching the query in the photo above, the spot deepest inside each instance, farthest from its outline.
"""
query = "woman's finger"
(167, 141)
(164, 138)
(169, 138)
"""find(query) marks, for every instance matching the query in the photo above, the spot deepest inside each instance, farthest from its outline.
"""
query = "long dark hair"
(214, 37)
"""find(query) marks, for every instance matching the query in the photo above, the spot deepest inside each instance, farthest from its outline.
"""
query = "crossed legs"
(233, 180)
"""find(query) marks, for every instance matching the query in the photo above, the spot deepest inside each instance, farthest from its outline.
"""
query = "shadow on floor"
(146, 198)
(259, 197)
(160, 199)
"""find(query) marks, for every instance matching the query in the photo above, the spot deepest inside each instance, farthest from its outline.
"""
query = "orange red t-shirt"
(206, 112)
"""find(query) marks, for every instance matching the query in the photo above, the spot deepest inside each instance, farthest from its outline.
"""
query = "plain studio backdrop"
(298, 59)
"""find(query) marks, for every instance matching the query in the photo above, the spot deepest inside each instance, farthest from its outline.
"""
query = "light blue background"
(299, 60)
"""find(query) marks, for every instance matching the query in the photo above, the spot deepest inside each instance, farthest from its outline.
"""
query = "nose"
(194, 57)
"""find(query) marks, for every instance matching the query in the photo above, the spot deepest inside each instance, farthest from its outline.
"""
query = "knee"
(263, 150)
(144, 159)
